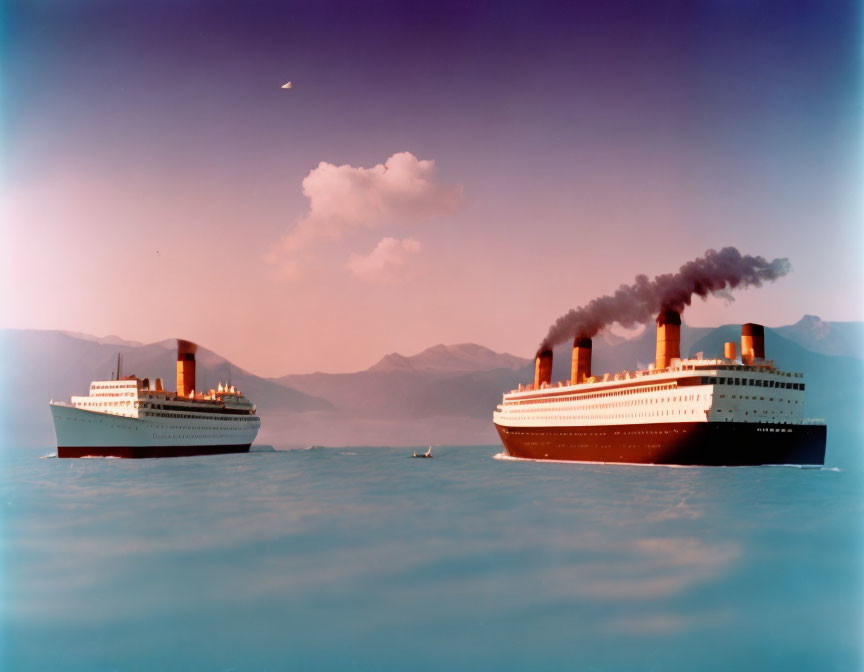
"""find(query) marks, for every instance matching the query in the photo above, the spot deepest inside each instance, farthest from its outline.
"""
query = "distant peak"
(111, 339)
(460, 357)
(456, 348)
(812, 324)
(392, 362)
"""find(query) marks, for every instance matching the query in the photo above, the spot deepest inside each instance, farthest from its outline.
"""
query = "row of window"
(221, 430)
(163, 437)
(615, 404)
(607, 416)
(726, 367)
(594, 395)
(641, 402)
(720, 410)
(212, 416)
(752, 382)
(703, 380)
(208, 410)
(735, 396)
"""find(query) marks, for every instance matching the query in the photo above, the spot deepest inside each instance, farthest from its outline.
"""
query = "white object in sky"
(287, 85)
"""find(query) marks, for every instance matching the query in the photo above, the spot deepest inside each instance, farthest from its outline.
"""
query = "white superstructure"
(690, 390)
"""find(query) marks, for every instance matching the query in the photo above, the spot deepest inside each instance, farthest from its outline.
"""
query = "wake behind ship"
(134, 417)
(720, 412)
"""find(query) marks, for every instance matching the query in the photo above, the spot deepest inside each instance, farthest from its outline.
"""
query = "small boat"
(428, 453)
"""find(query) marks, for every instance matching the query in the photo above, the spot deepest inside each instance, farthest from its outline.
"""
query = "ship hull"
(83, 433)
(135, 452)
(687, 444)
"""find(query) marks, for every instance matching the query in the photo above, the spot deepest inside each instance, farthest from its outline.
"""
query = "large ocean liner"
(134, 417)
(727, 411)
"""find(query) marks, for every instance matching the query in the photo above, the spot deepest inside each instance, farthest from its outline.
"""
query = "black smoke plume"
(631, 305)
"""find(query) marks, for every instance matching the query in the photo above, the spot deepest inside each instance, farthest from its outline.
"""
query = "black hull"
(148, 451)
(692, 444)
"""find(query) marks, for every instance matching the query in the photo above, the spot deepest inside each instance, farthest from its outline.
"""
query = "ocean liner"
(727, 411)
(134, 417)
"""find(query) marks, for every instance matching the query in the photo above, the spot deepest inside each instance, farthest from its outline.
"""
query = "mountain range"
(845, 339)
(442, 395)
(461, 358)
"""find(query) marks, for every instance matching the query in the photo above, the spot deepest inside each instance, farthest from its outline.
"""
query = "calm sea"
(363, 559)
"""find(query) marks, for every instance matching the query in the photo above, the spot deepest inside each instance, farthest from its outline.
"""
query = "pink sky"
(430, 178)
(153, 258)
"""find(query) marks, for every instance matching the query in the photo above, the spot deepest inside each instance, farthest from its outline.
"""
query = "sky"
(439, 172)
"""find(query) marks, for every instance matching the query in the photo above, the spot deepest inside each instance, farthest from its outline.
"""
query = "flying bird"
(287, 85)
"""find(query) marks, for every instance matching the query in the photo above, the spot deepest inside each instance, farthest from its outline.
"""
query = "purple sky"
(158, 182)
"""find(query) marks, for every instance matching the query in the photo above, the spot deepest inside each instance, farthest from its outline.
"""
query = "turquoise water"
(363, 559)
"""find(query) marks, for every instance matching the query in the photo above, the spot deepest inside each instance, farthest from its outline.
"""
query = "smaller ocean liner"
(135, 417)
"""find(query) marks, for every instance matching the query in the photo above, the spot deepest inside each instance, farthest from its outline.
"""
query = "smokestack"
(581, 367)
(752, 342)
(729, 350)
(185, 367)
(543, 369)
(668, 337)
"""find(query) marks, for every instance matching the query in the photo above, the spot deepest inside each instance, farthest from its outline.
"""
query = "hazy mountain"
(829, 338)
(460, 358)
(109, 340)
(459, 380)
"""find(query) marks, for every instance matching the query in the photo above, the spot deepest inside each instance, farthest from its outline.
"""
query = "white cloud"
(403, 190)
(388, 262)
